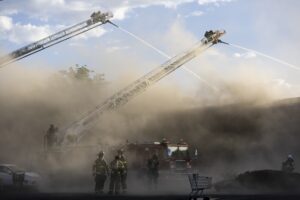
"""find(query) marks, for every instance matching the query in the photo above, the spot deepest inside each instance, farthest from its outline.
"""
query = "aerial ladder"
(72, 134)
(95, 20)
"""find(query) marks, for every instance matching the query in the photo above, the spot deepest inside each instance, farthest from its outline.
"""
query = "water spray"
(165, 55)
(193, 73)
(123, 96)
(266, 56)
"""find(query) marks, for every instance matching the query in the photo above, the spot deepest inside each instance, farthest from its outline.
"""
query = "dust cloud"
(33, 98)
(234, 129)
(239, 129)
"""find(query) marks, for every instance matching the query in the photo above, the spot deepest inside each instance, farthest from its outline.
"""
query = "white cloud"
(283, 88)
(19, 33)
(76, 9)
(5, 23)
(120, 13)
(237, 55)
(80, 6)
(215, 2)
(196, 13)
(282, 83)
(112, 49)
(95, 33)
(24, 33)
(249, 54)
(28, 33)
(68, 12)
(75, 44)
(174, 4)
(120, 10)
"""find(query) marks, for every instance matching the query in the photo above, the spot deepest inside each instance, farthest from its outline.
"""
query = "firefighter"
(208, 34)
(123, 171)
(116, 167)
(288, 165)
(100, 172)
(50, 137)
(95, 16)
(153, 167)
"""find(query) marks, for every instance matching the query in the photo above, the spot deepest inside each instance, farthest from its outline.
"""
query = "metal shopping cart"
(198, 185)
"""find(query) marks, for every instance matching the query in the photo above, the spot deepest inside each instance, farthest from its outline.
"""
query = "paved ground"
(88, 196)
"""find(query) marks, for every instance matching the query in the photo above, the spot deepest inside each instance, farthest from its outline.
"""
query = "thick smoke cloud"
(234, 128)
(241, 130)
(31, 99)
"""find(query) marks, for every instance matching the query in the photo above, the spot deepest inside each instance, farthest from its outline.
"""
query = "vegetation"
(82, 73)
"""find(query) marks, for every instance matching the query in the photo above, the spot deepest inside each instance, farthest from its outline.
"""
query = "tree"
(82, 73)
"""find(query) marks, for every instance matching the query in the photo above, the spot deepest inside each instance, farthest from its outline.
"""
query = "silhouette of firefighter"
(208, 34)
(116, 167)
(212, 36)
(153, 171)
(289, 164)
(50, 137)
(100, 172)
(123, 172)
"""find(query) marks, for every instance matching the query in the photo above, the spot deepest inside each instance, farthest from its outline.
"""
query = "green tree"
(82, 73)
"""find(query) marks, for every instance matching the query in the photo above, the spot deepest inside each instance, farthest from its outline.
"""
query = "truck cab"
(172, 157)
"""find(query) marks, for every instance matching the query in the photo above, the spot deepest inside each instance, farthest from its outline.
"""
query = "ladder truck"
(95, 20)
(73, 133)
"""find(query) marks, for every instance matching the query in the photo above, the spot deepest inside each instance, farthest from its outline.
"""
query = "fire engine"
(174, 157)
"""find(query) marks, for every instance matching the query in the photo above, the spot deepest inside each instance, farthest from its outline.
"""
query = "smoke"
(233, 128)
(165, 55)
(230, 139)
(238, 131)
(33, 98)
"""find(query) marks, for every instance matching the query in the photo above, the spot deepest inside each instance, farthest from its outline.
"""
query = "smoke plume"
(234, 129)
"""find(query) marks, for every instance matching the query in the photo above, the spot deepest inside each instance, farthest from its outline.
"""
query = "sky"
(267, 26)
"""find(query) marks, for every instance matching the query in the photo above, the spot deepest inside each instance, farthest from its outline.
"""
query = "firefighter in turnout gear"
(116, 167)
(124, 171)
(50, 139)
(153, 167)
(100, 172)
(289, 164)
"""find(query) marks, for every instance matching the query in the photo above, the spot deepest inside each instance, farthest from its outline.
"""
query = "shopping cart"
(198, 185)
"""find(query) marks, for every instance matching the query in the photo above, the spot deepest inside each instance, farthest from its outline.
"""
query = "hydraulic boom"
(77, 129)
(96, 19)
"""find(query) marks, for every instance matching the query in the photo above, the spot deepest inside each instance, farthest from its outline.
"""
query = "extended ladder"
(96, 19)
(73, 133)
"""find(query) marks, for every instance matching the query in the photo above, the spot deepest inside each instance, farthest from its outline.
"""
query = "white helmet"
(290, 156)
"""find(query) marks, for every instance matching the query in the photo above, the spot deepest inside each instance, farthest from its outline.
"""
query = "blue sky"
(269, 26)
